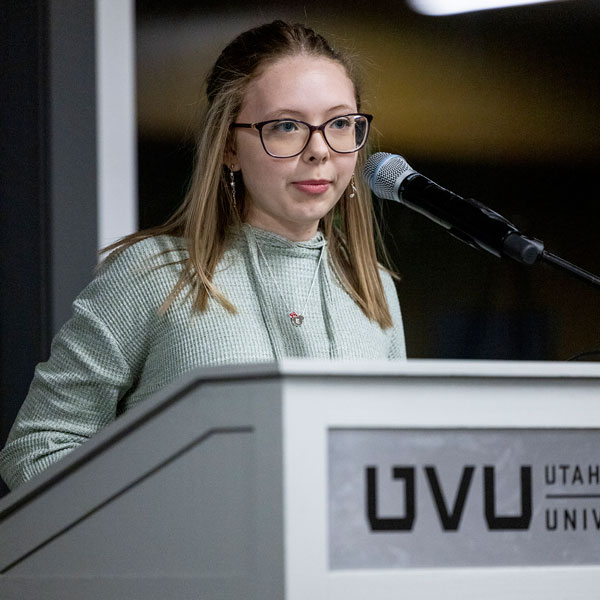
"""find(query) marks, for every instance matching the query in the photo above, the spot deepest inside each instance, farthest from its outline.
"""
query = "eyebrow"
(297, 114)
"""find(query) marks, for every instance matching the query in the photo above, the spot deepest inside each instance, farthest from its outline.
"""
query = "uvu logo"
(449, 517)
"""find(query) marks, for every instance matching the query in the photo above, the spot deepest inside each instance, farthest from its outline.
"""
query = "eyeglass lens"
(288, 137)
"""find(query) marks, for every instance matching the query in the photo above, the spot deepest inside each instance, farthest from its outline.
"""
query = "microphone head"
(384, 172)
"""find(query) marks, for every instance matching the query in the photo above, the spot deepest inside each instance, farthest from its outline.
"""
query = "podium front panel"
(486, 477)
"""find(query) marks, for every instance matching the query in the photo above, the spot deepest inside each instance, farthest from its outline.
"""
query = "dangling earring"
(232, 186)
(354, 190)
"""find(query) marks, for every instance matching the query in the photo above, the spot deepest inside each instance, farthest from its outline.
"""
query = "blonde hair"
(208, 211)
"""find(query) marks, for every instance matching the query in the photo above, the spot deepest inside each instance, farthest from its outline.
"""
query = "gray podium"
(309, 480)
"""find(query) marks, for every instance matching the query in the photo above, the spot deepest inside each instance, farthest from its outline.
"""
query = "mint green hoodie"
(117, 349)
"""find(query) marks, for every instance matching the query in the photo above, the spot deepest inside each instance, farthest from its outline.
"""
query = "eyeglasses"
(284, 138)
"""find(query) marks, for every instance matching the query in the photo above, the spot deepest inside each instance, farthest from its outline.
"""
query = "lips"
(313, 186)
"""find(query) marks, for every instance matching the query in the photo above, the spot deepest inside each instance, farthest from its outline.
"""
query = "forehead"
(303, 84)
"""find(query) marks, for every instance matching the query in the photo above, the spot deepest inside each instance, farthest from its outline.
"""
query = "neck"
(294, 232)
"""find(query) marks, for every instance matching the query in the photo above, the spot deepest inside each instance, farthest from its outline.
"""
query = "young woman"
(272, 254)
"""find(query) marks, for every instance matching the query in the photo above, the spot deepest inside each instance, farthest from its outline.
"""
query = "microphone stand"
(528, 251)
(561, 263)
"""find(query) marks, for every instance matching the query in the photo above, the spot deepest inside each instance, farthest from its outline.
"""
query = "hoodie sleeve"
(94, 361)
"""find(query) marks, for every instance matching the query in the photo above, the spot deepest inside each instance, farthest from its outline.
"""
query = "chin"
(315, 209)
(309, 220)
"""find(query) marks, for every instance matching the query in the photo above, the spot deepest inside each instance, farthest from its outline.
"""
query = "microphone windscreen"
(384, 172)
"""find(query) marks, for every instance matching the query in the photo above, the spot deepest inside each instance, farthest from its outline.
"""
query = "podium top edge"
(409, 368)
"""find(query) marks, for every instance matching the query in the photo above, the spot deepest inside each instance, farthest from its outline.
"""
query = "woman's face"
(290, 195)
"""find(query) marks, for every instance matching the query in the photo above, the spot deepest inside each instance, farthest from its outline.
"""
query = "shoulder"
(145, 255)
(124, 298)
(137, 277)
(388, 283)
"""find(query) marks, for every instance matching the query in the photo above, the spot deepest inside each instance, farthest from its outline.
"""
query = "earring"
(232, 185)
(354, 190)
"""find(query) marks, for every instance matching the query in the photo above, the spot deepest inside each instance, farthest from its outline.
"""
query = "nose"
(317, 148)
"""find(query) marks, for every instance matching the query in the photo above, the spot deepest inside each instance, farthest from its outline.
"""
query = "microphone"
(390, 177)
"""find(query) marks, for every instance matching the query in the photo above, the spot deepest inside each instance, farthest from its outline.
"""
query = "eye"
(284, 126)
(340, 123)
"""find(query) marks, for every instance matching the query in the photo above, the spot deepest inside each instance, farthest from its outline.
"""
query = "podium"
(303, 479)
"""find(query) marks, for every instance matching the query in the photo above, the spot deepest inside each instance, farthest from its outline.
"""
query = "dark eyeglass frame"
(311, 129)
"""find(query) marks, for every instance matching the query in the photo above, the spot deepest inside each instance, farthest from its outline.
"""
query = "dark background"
(502, 106)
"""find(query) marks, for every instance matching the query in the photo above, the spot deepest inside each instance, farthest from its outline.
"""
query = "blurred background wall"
(501, 105)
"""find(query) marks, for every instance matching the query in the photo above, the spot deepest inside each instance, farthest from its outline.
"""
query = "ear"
(230, 160)
(230, 156)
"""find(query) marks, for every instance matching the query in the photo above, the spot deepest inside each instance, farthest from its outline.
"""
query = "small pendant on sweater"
(296, 319)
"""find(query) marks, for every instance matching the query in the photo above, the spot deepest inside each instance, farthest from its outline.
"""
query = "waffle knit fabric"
(117, 349)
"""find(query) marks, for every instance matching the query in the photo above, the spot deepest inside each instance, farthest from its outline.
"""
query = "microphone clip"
(521, 248)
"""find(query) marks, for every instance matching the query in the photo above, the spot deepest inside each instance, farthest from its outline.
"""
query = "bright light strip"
(451, 7)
